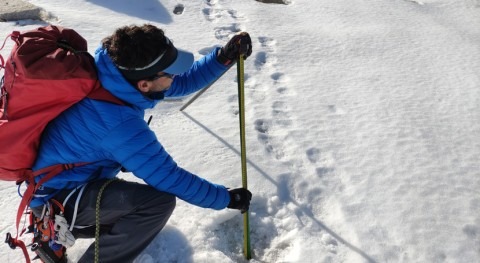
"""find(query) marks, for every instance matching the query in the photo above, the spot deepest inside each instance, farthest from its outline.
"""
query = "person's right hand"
(240, 44)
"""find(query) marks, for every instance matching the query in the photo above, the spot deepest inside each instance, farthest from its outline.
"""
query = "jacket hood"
(113, 81)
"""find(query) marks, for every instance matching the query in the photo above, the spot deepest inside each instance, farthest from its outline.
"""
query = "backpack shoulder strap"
(102, 94)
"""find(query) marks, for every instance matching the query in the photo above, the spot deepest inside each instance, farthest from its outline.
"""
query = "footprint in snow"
(416, 2)
(281, 112)
(234, 14)
(212, 14)
(279, 77)
(471, 231)
(260, 59)
(211, 2)
(267, 42)
(226, 32)
(286, 91)
(313, 155)
(322, 171)
(178, 9)
(261, 126)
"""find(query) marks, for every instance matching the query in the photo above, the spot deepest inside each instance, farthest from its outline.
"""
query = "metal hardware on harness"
(10, 241)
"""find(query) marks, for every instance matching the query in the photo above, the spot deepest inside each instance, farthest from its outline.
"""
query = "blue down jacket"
(110, 136)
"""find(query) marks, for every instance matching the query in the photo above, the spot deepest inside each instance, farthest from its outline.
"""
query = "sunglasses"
(157, 76)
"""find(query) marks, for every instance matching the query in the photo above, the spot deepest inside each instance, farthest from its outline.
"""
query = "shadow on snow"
(151, 10)
(286, 197)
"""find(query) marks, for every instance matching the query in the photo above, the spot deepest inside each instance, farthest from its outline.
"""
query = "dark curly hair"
(135, 46)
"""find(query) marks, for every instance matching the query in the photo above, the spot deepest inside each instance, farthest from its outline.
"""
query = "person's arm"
(136, 147)
(203, 72)
(209, 68)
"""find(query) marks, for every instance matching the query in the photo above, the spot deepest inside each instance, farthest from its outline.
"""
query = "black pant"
(131, 215)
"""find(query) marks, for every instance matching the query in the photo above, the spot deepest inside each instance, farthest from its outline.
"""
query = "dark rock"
(14, 10)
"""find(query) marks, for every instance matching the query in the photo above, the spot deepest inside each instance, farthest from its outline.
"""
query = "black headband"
(163, 61)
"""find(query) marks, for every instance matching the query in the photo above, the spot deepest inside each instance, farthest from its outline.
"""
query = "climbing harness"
(46, 230)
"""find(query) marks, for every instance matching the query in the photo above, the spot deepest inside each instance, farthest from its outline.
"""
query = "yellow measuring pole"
(241, 102)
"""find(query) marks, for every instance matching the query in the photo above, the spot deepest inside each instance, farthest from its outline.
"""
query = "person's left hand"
(240, 199)
(240, 44)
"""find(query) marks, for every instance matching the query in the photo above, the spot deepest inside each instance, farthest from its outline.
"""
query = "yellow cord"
(97, 219)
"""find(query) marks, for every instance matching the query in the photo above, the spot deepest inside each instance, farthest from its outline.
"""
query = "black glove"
(240, 44)
(240, 199)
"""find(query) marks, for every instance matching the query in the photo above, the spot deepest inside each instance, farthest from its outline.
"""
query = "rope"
(97, 218)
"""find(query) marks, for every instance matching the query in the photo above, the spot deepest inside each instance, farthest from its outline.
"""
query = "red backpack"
(48, 70)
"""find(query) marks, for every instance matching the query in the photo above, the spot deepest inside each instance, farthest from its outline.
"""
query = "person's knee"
(163, 202)
(164, 208)
(171, 202)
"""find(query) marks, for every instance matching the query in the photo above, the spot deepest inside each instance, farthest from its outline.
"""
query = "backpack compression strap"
(3, 92)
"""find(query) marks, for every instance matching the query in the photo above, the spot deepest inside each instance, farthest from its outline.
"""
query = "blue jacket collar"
(113, 81)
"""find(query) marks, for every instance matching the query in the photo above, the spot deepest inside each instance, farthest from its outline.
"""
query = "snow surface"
(362, 121)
